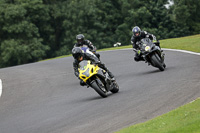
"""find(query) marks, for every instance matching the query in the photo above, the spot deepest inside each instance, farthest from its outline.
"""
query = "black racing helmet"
(136, 31)
(77, 53)
(80, 38)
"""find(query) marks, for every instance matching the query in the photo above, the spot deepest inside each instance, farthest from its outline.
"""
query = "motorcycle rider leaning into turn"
(137, 36)
(79, 56)
(82, 41)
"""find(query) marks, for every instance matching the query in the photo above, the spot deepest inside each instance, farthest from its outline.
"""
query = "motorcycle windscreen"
(83, 65)
(146, 44)
(146, 41)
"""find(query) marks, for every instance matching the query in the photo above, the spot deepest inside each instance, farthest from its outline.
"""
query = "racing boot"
(111, 76)
(82, 83)
(109, 73)
(162, 55)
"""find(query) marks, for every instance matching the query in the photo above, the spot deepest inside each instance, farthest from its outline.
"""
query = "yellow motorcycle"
(97, 78)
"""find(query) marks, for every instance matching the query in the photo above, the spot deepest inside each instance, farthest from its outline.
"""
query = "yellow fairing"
(86, 70)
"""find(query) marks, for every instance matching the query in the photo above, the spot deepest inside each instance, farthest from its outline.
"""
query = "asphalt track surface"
(45, 97)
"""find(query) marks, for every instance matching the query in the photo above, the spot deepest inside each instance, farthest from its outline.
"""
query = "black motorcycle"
(151, 53)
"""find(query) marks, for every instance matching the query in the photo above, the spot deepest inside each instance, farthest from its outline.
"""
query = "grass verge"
(190, 43)
(185, 119)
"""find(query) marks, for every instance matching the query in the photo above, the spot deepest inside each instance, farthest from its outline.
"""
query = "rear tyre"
(115, 87)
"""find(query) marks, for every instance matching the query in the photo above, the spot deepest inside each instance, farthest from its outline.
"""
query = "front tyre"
(157, 61)
(99, 87)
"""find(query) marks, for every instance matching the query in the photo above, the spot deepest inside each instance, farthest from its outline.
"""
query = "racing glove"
(138, 52)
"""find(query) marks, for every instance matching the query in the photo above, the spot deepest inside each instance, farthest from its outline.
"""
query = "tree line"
(32, 30)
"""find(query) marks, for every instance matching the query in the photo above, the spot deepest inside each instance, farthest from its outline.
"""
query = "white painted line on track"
(0, 87)
(178, 50)
(184, 51)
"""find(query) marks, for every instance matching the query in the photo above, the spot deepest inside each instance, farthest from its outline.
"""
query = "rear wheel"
(99, 87)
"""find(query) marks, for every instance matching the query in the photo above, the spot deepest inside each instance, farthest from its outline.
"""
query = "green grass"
(185, 119)
(190, 43)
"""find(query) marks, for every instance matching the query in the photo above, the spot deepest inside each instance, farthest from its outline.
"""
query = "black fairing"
(153, 49)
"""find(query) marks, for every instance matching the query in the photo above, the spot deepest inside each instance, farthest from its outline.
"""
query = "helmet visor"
(79, 41)
(137, 34)
(77, 56)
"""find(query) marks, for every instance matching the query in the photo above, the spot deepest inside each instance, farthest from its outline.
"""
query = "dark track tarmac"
(45, 97)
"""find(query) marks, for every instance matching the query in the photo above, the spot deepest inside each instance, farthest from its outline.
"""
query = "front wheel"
(99, 87)
(157, 61)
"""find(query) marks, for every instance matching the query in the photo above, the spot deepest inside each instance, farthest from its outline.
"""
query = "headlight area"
(147, 48)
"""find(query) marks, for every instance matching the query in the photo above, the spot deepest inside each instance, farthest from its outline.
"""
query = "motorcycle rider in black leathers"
(79, 56)
(137, 36)
(81, 41)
